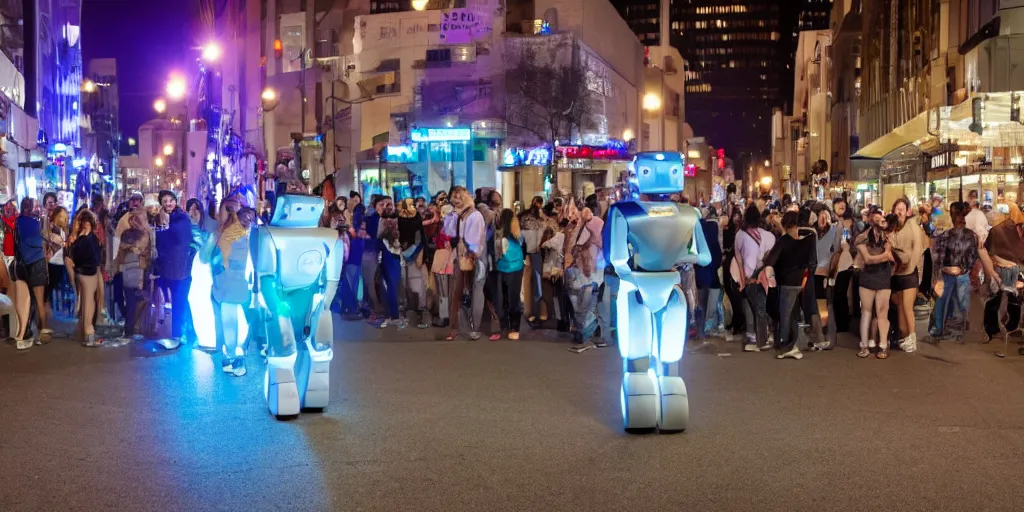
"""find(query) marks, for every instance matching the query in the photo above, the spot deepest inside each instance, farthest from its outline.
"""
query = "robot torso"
(659, 233)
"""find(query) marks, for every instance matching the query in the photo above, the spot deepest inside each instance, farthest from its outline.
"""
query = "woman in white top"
(752, 244)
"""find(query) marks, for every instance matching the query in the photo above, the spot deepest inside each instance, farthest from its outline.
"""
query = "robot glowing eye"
(646, 171)
(675, 170)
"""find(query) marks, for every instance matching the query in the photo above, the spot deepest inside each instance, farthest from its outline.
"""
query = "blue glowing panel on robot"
(297, 211)
(659, 172)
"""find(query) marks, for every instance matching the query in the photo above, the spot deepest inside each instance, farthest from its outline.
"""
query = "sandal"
(452, 335)
(883, 353)
(495, 337)
(864, 352)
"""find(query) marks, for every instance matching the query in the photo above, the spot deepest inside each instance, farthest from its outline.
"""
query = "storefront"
(583, 169)
(992, 185)
(522, 175)
(902, 174)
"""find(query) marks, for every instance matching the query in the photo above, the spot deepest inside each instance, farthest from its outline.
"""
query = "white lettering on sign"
(461, 26)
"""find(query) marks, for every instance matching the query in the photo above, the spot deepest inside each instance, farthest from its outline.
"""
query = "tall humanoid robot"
(298, 266)
(645, 240)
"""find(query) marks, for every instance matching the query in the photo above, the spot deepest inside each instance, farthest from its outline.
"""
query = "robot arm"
(698, 252)
(616, 244)
(266, 272)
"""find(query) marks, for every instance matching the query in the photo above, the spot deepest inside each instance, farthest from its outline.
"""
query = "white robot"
(645, 241)
(298, 266)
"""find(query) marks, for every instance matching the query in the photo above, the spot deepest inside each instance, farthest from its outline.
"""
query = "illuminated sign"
(441, 134)
(611, 150)
(690, 171)
(721, 159)
(516, 156)
(407, 153)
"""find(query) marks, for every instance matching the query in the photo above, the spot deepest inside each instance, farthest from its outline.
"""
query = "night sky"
(148, 38)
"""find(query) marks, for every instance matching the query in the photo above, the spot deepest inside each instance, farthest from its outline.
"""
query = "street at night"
(419, 424)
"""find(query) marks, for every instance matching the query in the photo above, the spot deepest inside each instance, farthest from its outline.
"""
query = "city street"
(419, 424)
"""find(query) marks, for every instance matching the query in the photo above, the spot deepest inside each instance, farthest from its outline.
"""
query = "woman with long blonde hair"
(232, 279)
(134, 255)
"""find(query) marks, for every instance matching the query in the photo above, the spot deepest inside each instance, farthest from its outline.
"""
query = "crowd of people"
(781, 271)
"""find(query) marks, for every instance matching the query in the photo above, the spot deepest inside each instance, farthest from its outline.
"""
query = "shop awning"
(914, 131)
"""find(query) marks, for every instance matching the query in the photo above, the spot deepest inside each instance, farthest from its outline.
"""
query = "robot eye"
(646, 171)
(675, 170)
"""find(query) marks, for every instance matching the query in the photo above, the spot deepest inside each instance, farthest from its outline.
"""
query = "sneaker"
(582, 347)
(238, 367)
(25, 344)
(909, 344)
(402, 324)
(92, 340)
(225, 365)
(733, 338)
(120, 341)
(475, 335)
(822, 345)
(794, 353)
(383, 324)
(422, 325)
(600, 343)
(751, 347)
(45, 336)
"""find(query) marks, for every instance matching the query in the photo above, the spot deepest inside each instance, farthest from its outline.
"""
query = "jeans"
(132, 297)
(179, 302)
(754, 308)
(466, 282)
(391, 271)
(606, 310)
(955, 299)
(536, 271)
(584, 304)
(700, 312)
(789, 317)
(368, 267)
(349, 289)
(507, 303)
(119, 299)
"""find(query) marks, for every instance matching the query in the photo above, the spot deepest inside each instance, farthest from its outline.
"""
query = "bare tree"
(546, 93)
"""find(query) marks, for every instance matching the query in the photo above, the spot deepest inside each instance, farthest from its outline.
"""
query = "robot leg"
(674, 410)
(279, 385)
(639, 393)
(313, 371)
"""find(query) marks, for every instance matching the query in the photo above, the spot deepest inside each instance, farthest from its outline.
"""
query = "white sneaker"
(25, 344)
(794, 353)
(751, 347)
(909, 344)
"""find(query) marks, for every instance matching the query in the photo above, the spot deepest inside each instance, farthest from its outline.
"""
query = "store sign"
(441, 134)
(404, 154)
(612, 150)
(690, 171)
(514, 157)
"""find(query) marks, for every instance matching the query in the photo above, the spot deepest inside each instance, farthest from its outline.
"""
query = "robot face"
(297, 211)
(659, 172)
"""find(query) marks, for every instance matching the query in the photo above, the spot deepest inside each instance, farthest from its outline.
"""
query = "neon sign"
(690, 171)
(611, 150)
(441, 134)
(406, 153)
(516, 156)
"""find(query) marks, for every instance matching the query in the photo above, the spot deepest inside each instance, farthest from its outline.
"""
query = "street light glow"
(211, 52)
(158, 161)
(651, 101)
(168, 149)
(419, 5)
(160, 106)
(88, 85)
(268, 94)
(767, 163)
(176, 88)
(627, 135)
(131, 141)
(766, 181)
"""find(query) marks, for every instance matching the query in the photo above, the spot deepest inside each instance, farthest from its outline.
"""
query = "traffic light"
(278, 49)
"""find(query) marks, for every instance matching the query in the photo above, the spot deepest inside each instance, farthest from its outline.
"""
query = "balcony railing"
(893, 110)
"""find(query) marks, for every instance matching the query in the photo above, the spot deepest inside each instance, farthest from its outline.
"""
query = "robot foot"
(640, 402)
(675, 405)
(280, 388)
(314, 376)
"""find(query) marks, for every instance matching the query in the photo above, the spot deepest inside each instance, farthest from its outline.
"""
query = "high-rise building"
(813, 15)
(101, 109)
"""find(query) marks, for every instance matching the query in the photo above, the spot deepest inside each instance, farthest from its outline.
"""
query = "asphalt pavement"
(418, 424)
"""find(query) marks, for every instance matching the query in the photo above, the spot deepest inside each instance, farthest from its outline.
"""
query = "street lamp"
(651, 102)
(269, 99)
(168, 150)
(211, 52)
(419, 5)
(158, 161)
(88, 85)
(176, 88)
(627, 135)
(160, 106)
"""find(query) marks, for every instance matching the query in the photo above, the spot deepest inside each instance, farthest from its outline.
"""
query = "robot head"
(658, 172)
(297, 211)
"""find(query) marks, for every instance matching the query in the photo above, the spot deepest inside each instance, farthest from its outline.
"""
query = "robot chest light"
(310, 262)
